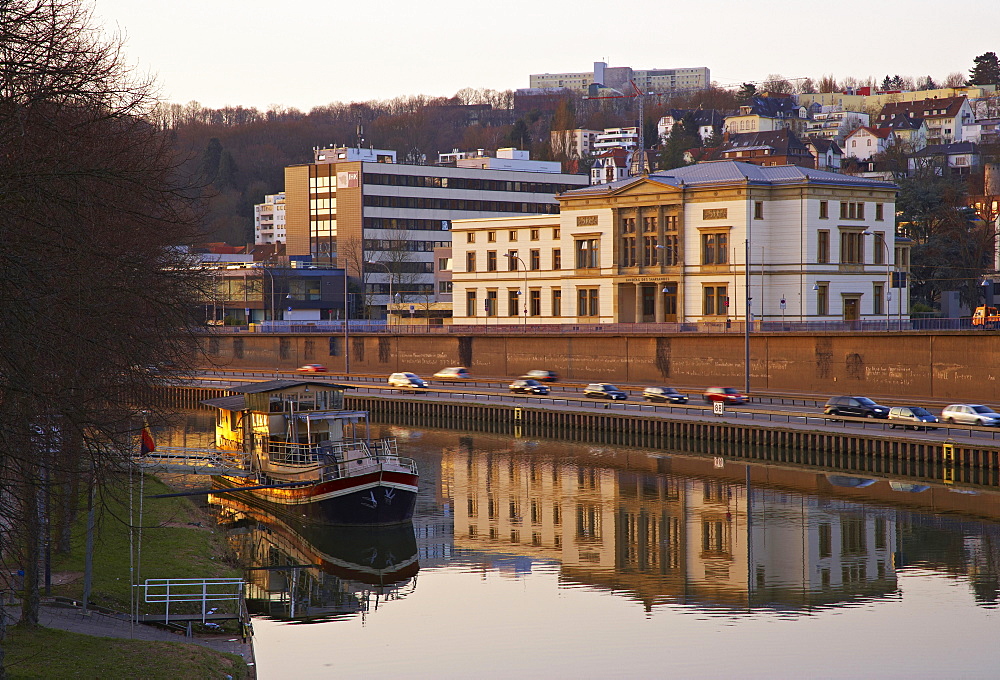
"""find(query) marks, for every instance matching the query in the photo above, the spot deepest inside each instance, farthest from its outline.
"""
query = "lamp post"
(888, 278)
(389, 272)
(524, 298)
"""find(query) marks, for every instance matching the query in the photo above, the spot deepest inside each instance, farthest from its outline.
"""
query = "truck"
(987, 317)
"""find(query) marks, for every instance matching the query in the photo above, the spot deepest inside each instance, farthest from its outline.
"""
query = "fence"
(203, 590)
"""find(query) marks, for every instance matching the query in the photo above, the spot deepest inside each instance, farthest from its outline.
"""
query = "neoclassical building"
(675, 246)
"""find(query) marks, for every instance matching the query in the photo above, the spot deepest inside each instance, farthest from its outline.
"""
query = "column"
(637, 315)
(658, 296)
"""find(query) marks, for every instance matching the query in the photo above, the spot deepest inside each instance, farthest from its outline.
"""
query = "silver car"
(970, 414)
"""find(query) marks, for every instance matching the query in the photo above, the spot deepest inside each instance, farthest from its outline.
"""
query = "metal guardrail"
(731, 327)
(203, 590)
(196, 461)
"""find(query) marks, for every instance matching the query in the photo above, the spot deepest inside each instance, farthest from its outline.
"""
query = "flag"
(146, 443)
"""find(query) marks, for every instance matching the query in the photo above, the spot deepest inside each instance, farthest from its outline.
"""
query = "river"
(547, 559)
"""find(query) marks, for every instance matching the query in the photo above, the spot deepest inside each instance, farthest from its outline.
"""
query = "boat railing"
(338, 459)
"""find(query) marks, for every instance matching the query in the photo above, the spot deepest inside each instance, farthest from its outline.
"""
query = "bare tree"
(776, 84)
(954, 79)
(94, 288)
(828, 84)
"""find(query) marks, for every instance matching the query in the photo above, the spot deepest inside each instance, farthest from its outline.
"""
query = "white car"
(406, 380)
(970, 414)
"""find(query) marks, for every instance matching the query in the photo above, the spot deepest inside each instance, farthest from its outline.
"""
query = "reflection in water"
(314, 572)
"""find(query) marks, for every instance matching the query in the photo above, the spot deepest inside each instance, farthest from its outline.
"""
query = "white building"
(834, 123)
(866, 142)
(578, 143)
(616, 138)
(269, 220)
(673, 247)
(620, 77)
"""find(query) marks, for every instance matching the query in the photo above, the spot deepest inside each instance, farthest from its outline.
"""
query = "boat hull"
(377, 498)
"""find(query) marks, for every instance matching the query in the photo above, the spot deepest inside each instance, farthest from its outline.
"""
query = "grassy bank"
(48, 653)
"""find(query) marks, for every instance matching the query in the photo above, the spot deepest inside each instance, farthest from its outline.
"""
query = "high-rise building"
(269, 220)
(382, 220)
(619, 77)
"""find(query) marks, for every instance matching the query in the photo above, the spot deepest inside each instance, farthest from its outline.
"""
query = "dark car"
(916, 417)
(528, 387)
(858, 407)
(603, 391)
(664, 394)
(541, 376)
(727, 395)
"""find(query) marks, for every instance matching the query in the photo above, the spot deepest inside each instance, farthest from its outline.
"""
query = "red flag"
(146, 444)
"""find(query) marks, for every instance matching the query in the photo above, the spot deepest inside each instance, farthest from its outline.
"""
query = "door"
(852, 309)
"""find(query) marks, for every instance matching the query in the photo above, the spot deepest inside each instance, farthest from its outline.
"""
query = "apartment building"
(688, 245)
(269, 220)
(765, 114)
(574, 144)
(944, 118)
(620, 78)
(352, 207)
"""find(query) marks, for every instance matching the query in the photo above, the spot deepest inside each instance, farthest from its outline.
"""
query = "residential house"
(866, 142)
(983, 131)
(610, 166)
(574, 144)
(834, 123)
(767, 113)
(708, 121)
(944, 117)
(958, 158)
(777, 147)
(826, 153)
(911, 133)
(673, 246)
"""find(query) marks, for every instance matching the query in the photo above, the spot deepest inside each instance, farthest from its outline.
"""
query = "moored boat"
(306, 454)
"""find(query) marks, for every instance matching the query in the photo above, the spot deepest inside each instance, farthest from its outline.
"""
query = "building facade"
(674, 247)
(269, 220)
(383, 220)
(619, 78)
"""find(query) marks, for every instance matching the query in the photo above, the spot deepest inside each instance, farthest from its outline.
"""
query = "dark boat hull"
(379, 498)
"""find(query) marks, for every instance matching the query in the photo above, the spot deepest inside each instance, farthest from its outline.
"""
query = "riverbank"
(178, 540)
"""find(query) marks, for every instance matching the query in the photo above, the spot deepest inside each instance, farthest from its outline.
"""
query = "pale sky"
(305, 53)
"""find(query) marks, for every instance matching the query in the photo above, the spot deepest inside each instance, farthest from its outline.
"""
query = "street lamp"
(389, 272)
(524, 298)
(888, 278)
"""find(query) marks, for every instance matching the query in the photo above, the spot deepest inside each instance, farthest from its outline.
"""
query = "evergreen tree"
(927, 83)
(210, 159)
(986, 71)
(746, 93)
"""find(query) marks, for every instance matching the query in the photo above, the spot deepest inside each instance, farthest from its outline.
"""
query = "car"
(453, 373)
(970, 414)
(916, 417)
(312, 368)
(603, 391)
(406, 380)
(726, 395)
(541, 376)
(858, 407)
(665, 394)
(528, 387)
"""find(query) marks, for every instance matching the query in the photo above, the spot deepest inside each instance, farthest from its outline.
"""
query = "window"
(587, 302)
(491, 236)
(470, 237)
(670, 223)
(628, 225)
(878, 293)
(470, 262)
(852, 211)
(878, 254)
(715, 301)
(650, 251)
(491, 303)
(843, 210)
(512, 260)
(513, 235)
(556, 302)
(444, 264)
(715, 248)
(513, 297)
(825, 535)
(557, 258)
(586, 253)
(671, 253)
(534, 234)
(879, 214)
(649, 224)
(445, 287)
(823, 246)
(758, 210)
(535, 259)
(491, 260)
(535, 302)
(823, 299)
(852, 247)
(824, 210)
(470, 303)
(555, 232)
(628, 251)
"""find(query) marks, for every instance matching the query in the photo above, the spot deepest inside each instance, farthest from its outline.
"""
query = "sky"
(306, 53)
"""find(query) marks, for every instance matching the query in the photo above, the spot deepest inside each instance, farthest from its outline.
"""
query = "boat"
(298, 450)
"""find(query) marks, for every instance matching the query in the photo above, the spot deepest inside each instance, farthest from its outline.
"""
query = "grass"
(48, 653)
(173, 546)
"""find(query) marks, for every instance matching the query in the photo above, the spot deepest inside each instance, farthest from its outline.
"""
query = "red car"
(727, 395)
(312, 368)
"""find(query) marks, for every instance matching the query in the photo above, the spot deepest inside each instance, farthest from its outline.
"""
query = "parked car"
(406, 380)
(603, 391)
(858, 407)
(453, 373)
(541, 376)
(727, 395)
(970, 414)
(312, 368)
(916, 417)
(528, 387)
(665, 394)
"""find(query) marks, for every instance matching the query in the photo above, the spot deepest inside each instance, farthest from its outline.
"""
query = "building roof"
(881, 133)
(901, 121)
(735, 172)
(823, 145)
(275, 385)
(947, 149)
(945, 107)
(772, 107)
(783, 142)
(701, 116)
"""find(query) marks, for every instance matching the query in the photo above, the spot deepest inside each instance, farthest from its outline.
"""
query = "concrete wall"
(947, 366)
